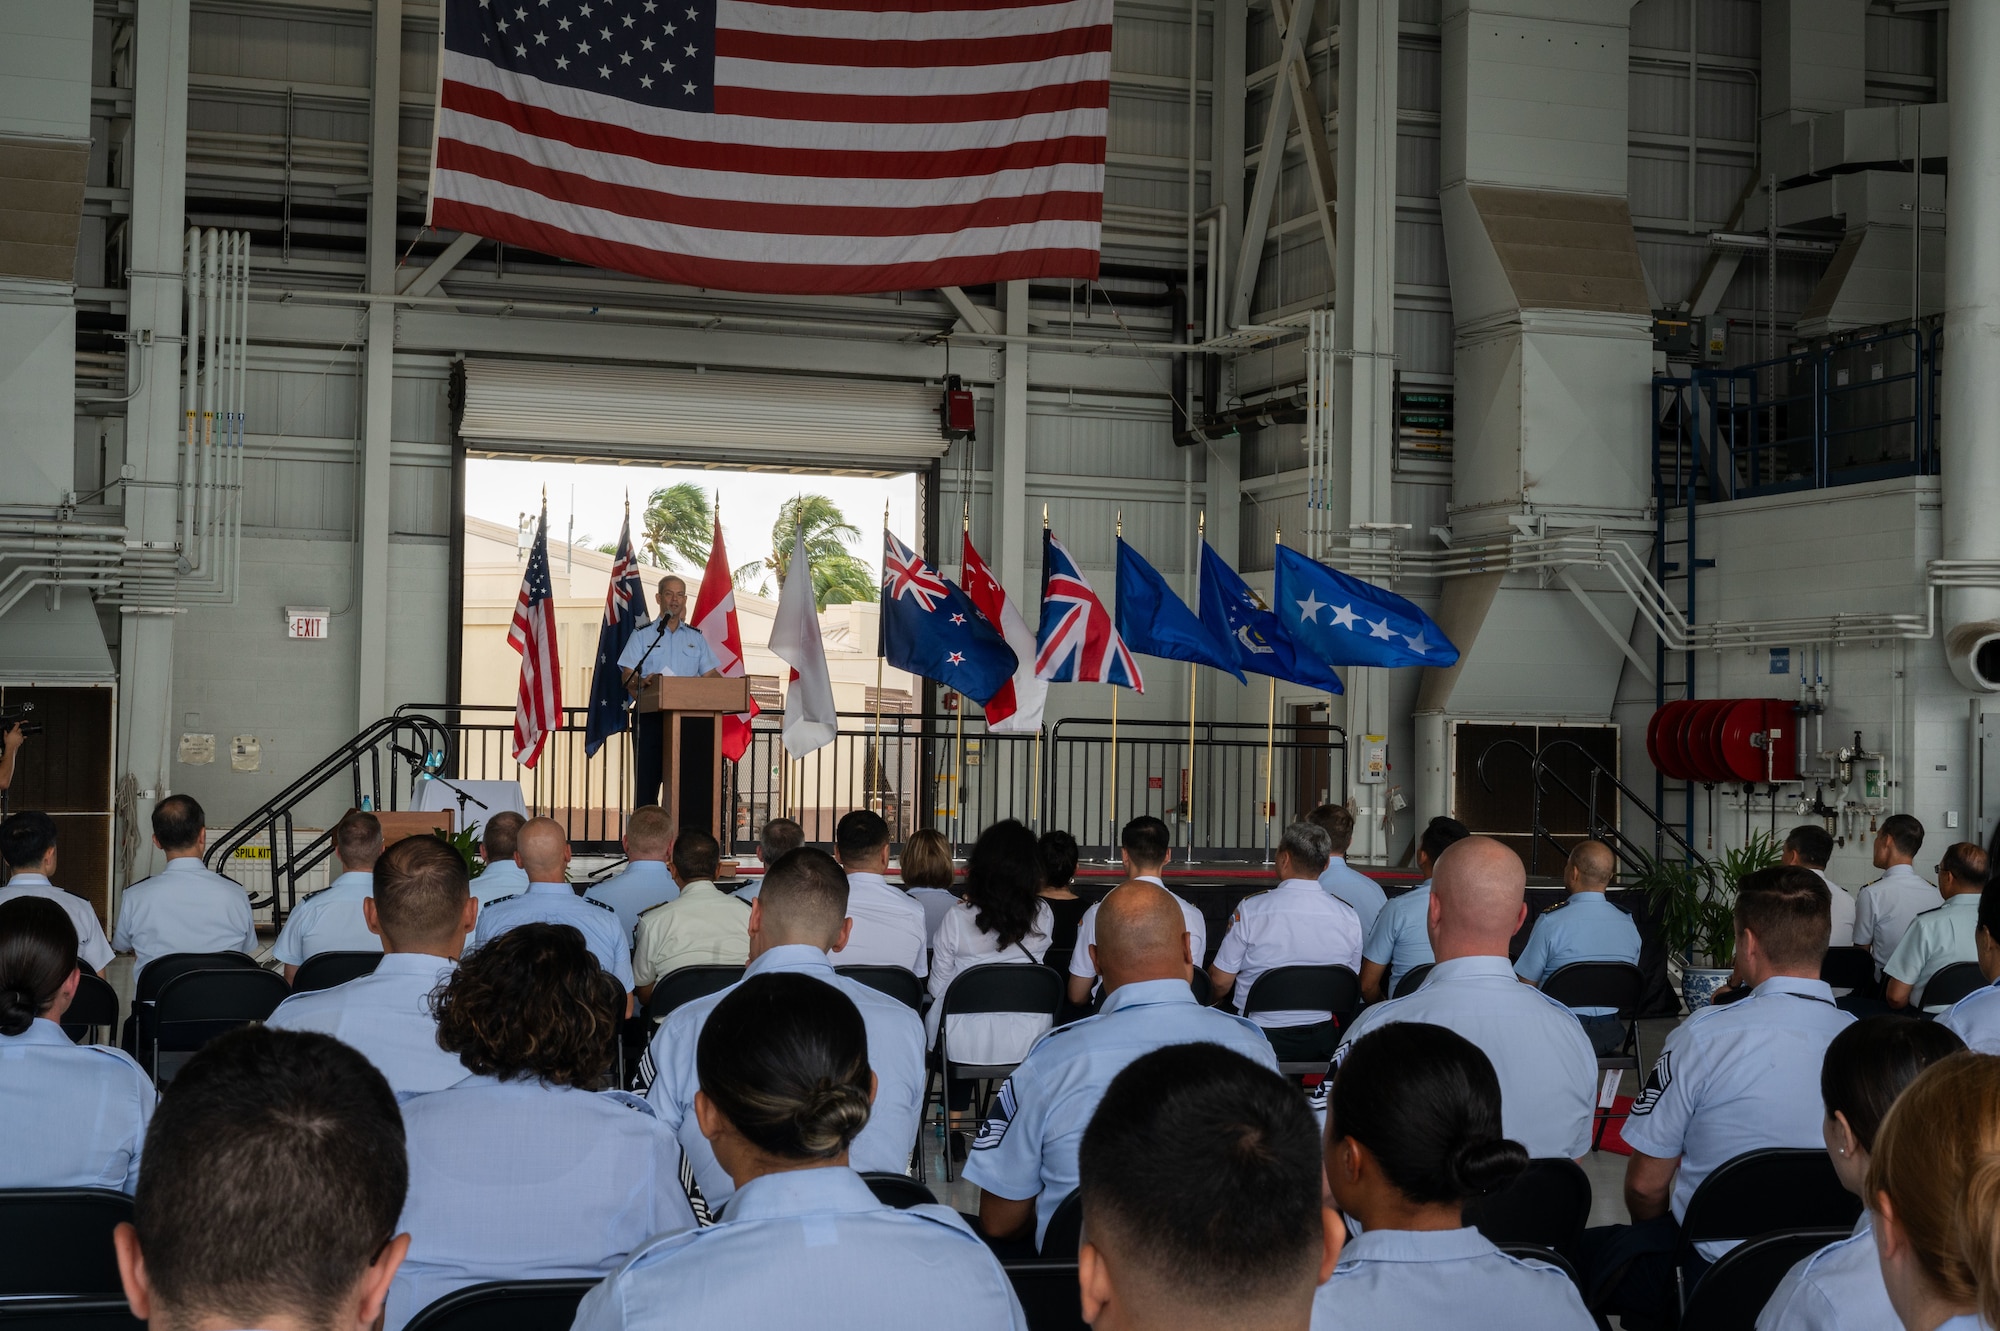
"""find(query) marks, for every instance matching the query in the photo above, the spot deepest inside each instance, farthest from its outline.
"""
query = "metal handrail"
(1598, 827)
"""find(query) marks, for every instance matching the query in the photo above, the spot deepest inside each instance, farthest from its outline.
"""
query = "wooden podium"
(705, 700)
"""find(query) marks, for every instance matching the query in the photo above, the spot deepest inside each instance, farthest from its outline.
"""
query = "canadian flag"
(1018, 705)
(715, 620)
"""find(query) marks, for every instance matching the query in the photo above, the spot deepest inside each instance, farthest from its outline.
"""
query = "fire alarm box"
(955, 417)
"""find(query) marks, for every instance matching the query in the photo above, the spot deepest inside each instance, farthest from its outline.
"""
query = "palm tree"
(838, 576)
(677, 527)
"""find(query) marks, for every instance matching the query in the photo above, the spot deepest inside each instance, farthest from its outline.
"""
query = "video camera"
(10, 717)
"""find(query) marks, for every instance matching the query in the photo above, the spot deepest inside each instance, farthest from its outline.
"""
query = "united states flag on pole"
(794, 146)
(538, 704)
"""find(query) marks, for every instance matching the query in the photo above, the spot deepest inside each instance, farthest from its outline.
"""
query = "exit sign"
(306, 621)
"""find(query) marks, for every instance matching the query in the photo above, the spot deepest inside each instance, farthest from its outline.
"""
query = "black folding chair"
(1848, 968)
(1731, 1293)
(898, 1190)
(997, 987)
(505, 1305)
(197, 1006)
(1065, 1232)
(146, 988)
(899, 982)
(1613, 984)
(1535, 1252)
(324, 970)
(94, 1009)
(93, 1313)
(1049, 1294)
(1307, 988)
(1547, 1206)
(58, 1240)
(687, 984)
(1204, 989)
(1412, 980)
(1951, 984)
(1760, 1192)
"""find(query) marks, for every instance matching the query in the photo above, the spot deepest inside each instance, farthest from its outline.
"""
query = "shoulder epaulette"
(599, 904)
(497, 900)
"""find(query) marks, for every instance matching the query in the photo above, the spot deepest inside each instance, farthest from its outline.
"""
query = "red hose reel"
(1714, 740)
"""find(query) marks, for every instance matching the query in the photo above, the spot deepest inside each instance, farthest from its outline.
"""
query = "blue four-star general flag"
(1155, 622)
(1235, 614)
(624, 611)
(931, 628)
(1345, 621)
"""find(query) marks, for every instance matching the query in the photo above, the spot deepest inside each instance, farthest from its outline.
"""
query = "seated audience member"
(1412, 1134)
(1547, 1071)
(1398, 942)
(645, 881)
(784, 1090)
(888, 925)
(1810, 846)
(929, 875)
(1584, 927)
(543, 854)
(184, 907)
(503, 876)
(1060, 854)
(704, 926)
(780, 837)
(1730, 1079)
(1024, 1159)
(1200, 1183)
(1883, 911)
(524, 1170)
(1297, 923)
(1976, 1017)
(28, 850)
(1867, 1066)
(330, 920)
(273, 1177)
(1145, 846)
(1357, 889)
(1941, 937)
(72, 1116)
(1934, 1189)
(798, 920)
(422, 910)
(1002, 921)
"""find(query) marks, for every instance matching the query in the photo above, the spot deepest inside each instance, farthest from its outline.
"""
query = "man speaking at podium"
(669, 646)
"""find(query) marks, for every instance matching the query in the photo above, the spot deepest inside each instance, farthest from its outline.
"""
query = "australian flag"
(624, 612)
(931, 628)
(1235, 613)
(1345, 621)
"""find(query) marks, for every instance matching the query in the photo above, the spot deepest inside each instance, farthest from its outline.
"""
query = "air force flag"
(1234, 614)
(1345, 621)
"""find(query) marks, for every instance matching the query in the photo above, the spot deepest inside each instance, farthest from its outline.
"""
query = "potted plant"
(466, 843)
(1695, 902)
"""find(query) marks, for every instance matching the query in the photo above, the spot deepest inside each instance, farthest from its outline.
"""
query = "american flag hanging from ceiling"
(793, 147)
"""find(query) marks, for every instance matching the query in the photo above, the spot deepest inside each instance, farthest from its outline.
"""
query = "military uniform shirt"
(1080, 963)
(1975, 1019)
(498, 881)
(640, 886)
(895, 1055)
(681, 652)
(1736, 1078)
(1584, 927)
(1028, 1147)
(1547, 1069)
(1401, 937)
(72, 1116)
(888, 927)
(704, 926)
(1886, 907)
(1357, 889)
(1294, 924)
(387, 1016)
(183, 908)
(1838, 1288)
(1842, 933)
(1934, 940)
(1412, 1280)
(91, 944)
(555, 903)
(329, 920)
(811, 1247)
(515, 1180)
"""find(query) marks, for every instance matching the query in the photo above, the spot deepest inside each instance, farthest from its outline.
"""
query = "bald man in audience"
(543, 854)
(1547, 1069)
(646, 881)
(1025, 1158)
(1585, 927)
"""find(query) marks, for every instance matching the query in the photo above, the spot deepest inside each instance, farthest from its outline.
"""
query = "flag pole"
(869, 776)
(1271, 742)
(1112, 792)
(1194, 673)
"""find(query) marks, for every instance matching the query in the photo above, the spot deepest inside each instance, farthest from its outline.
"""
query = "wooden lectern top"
(713, 694)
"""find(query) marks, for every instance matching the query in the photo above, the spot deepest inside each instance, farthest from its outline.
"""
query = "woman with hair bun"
(72, 1116)
(785, 1087)
(1412, 1134)
(1933, 1193)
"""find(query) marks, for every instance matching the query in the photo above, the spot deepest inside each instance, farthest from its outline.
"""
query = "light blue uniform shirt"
(499, 880)
(1547, 1069)
(71, 1116)
(1736, 1078)
(1412, 1280)
(682, 651)
(895, 1055)
(1975, 1019)
(1585, 927)
(521, 1181)
(329, 920)
(91, 944)
(1838, 1288)
(1357, 889)
(640, 886)
(556, 903)
(811, 1247)
(1028, 1148)
(1400, 937)
(183, 908)
(387, 1016)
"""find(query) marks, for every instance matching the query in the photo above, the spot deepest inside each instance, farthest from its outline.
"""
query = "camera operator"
(10, 744)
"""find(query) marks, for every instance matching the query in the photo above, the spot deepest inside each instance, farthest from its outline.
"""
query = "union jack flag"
(904, 573)
(1077, 642)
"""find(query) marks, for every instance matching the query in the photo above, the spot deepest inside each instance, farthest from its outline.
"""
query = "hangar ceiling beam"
(1312, 134)
(425, 282)
(976, 319)
(1270, 163)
